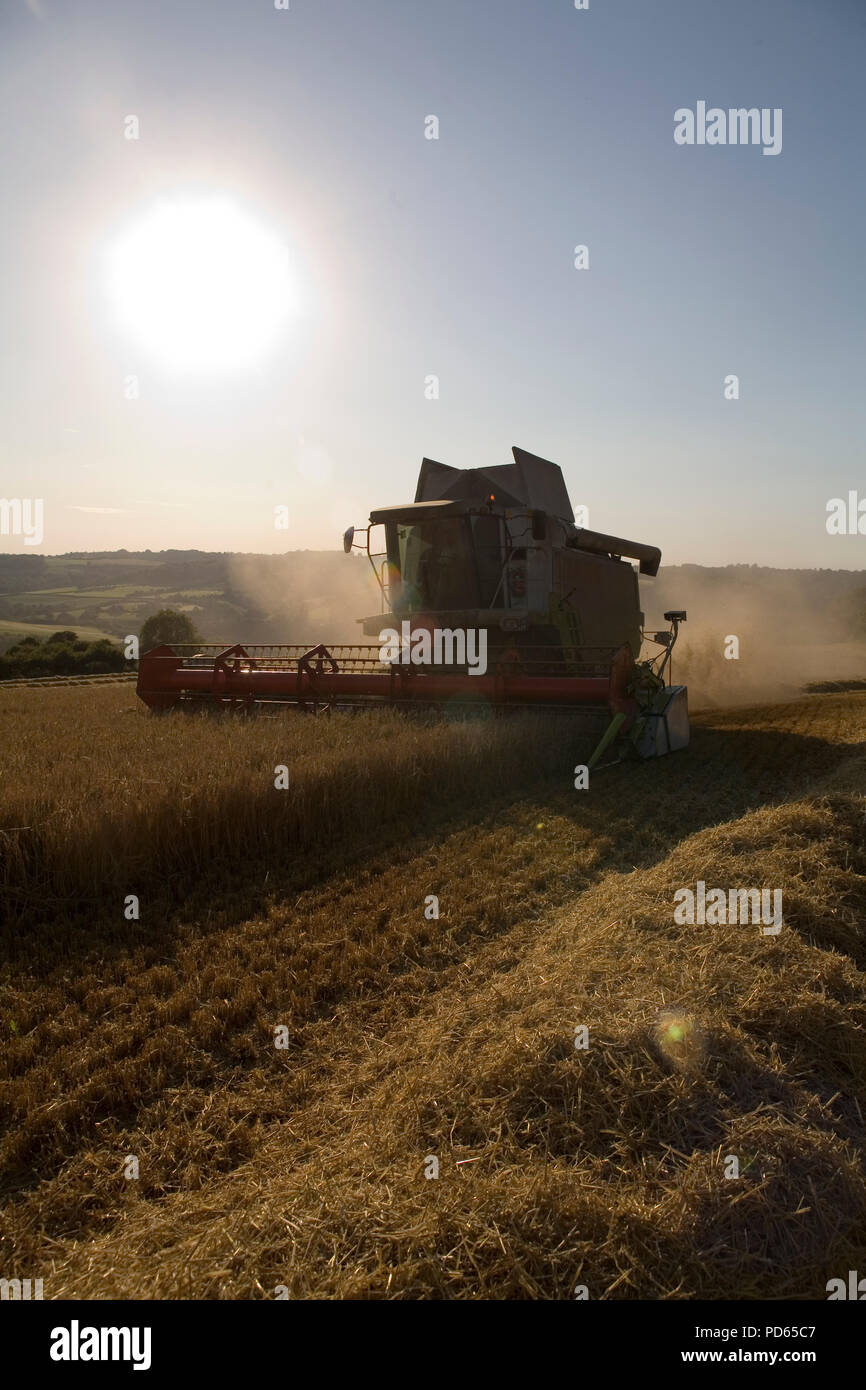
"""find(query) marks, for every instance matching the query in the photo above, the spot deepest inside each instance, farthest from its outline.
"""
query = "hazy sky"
(410, 256)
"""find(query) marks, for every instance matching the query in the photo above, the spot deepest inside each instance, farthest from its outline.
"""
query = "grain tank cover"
(531, 482)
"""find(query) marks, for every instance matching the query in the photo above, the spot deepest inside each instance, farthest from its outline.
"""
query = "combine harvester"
(494, 597)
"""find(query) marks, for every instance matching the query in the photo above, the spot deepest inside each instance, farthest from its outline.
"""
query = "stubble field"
(410, 1038)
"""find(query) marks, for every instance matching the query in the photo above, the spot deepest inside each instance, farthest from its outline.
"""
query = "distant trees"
(62, 654)
(167, 627)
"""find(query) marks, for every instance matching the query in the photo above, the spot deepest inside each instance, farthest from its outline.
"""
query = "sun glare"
(200, 285)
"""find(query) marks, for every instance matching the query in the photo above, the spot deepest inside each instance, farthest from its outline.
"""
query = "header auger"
(491, 596)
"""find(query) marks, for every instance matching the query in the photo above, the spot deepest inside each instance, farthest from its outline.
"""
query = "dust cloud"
(304, 596)
(791, 627)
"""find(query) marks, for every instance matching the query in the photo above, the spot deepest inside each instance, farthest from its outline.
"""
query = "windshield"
(431, 566)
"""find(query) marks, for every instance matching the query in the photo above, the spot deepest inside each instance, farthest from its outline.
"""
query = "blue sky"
(451, 257)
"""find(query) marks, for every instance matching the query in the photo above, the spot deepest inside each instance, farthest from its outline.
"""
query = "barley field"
(428, 1126)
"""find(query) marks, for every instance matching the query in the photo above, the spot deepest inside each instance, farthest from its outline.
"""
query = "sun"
(200, 285)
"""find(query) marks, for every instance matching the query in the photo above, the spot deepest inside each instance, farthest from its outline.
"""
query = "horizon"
(357, 556)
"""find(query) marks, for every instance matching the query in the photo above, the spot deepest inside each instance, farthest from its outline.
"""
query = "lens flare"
(680, 1040)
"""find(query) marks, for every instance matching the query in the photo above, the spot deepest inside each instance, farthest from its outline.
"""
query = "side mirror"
(539, 526)
(348, 537)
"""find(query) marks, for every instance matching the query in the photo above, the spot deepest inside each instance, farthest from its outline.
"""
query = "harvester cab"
(493, 552)
(497, 549)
